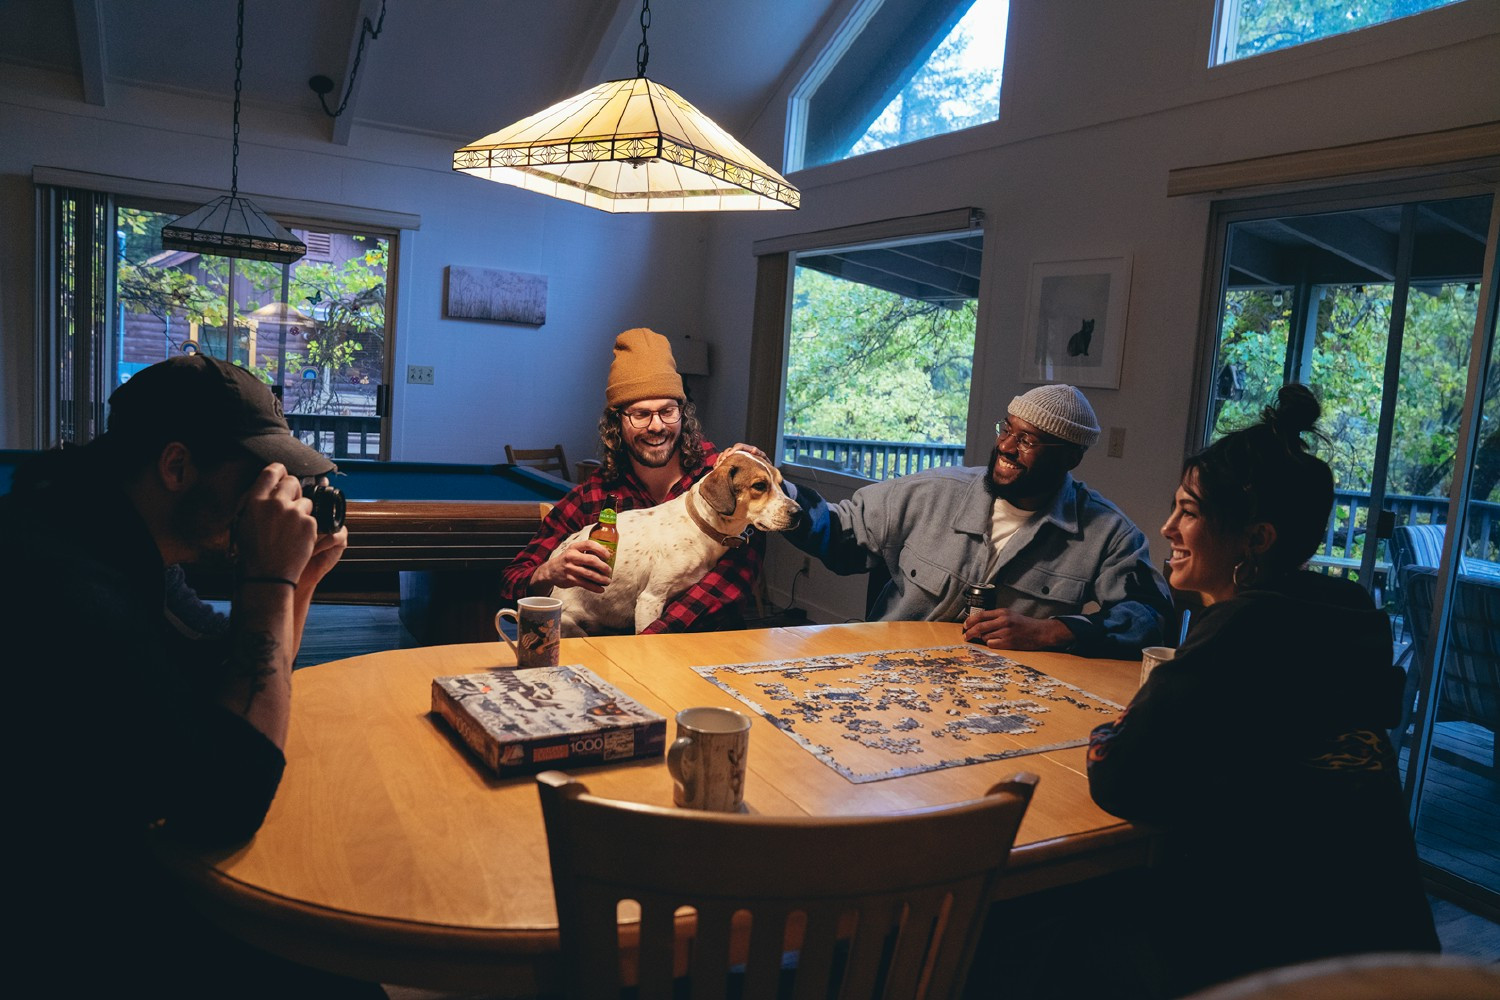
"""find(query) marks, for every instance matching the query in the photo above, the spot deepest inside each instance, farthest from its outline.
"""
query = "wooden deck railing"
(871, 459)
(338, 436)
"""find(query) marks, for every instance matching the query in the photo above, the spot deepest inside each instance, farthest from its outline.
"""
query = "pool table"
(436, 481)
(437, 535)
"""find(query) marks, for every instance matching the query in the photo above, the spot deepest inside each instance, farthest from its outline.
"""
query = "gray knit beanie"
(1061, 411)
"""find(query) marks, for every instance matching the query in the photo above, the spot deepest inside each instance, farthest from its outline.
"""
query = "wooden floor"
(1458, 821)
(337, 631)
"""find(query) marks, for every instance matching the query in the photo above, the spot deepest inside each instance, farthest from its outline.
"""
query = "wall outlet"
(1116, 442)
(419, 374)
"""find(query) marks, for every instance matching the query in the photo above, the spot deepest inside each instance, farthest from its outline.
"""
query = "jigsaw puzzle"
(894, 712)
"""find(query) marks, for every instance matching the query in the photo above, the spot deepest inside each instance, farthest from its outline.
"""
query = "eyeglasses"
(642, 418)
(1025, 441)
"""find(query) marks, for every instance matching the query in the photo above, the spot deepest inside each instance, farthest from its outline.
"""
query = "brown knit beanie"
(643, 369)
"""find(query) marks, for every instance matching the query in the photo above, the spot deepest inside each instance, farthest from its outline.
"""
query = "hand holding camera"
(283, 534)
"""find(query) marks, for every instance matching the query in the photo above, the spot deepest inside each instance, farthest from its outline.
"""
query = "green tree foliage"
(953, 90)
(1257, 26)
(1348, 366)
(871, 365)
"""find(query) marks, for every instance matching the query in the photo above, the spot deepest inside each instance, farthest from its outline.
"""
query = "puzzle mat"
(885, 714)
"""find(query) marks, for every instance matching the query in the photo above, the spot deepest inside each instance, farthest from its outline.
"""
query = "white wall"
(1099, 102)
(495, 383)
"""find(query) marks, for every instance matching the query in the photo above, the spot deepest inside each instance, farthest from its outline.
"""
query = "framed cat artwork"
(1075, 322)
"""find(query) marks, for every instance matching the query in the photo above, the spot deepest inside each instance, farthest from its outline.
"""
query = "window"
(1250, 27)
(316, 330)
(879, 353)
(903, 70)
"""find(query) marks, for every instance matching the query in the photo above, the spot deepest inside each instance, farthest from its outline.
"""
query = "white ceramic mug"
(1153, 657)
(538, 630)
(707, 759)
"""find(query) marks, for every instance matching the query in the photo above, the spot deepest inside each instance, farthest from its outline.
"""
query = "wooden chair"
(852, 906)
(542, 459)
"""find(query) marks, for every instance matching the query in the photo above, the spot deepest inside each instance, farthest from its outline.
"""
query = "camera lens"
(328, 508)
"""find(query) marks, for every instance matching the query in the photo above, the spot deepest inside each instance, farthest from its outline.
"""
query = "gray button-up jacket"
(1082, 560)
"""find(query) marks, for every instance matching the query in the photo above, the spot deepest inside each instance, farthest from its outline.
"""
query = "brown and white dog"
(665, 549)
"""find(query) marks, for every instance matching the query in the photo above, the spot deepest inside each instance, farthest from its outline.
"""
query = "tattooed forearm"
(250, 658)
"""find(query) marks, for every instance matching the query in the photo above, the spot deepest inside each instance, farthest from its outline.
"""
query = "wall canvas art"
(501, 296)
(1075, 322)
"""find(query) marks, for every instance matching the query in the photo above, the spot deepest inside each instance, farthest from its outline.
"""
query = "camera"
(328, 507)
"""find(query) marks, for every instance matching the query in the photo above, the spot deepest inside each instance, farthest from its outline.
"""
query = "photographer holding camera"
(137, 714)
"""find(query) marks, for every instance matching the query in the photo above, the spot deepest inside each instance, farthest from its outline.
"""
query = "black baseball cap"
(198, 398)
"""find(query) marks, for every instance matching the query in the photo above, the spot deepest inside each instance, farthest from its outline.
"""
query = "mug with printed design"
(538, 630)
(707, 759)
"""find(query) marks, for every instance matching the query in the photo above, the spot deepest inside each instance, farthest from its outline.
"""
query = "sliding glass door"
(1375, 303)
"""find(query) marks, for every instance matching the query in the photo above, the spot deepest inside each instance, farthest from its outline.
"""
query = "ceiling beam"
(88, 24)
(1261, 260)
(1348, 237)
(1448, 215)
(341, 126)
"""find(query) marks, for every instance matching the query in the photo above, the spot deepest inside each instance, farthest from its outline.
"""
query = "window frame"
(51, 183)
(1222, 35)
(1443, 27)
(825, 64)
(771, 323)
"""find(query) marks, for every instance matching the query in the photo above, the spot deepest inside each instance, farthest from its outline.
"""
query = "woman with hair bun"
(1261, 751)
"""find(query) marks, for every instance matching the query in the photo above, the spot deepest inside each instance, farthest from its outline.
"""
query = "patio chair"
(852, 906)
(1412, 545)
(1470, 689)
(541, 459)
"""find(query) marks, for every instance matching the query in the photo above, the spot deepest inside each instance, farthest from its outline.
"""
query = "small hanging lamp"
(231, 226)
(629, 146)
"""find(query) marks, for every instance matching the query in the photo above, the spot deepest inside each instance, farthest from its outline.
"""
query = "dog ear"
(718, 488)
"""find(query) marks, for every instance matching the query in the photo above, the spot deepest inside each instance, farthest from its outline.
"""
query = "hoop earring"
(1251, 571)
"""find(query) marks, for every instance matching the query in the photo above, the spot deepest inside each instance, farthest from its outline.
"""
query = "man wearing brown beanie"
(654, 450)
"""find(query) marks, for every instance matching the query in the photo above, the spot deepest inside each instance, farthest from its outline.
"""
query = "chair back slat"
(657, 946)
(815, 958)
(542, 459)
(917, 910)
(711, 953)
(767, 945)
(912, 966)
(876, 920)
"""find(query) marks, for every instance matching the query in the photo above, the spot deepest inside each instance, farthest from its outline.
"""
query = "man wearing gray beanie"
(1055, 565)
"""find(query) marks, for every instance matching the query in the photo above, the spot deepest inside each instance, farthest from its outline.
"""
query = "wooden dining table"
(392, 854)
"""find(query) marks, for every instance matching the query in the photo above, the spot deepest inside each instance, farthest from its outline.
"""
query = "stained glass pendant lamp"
(629, 146)
(231, 226)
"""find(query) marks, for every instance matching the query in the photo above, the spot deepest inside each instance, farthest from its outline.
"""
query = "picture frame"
(497, 296)
(1075, 322)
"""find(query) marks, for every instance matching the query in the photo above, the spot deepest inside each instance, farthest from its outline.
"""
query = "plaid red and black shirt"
(725, 585)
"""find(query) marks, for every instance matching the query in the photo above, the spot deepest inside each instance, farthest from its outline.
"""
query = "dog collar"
(733, 541)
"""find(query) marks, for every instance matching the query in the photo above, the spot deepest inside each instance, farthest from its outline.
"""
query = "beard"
(654, 456)
(202, 525)
(1000, 491)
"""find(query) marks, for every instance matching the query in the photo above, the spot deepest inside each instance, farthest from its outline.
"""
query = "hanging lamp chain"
(643, 51)
(239, 65)
(367, 33)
